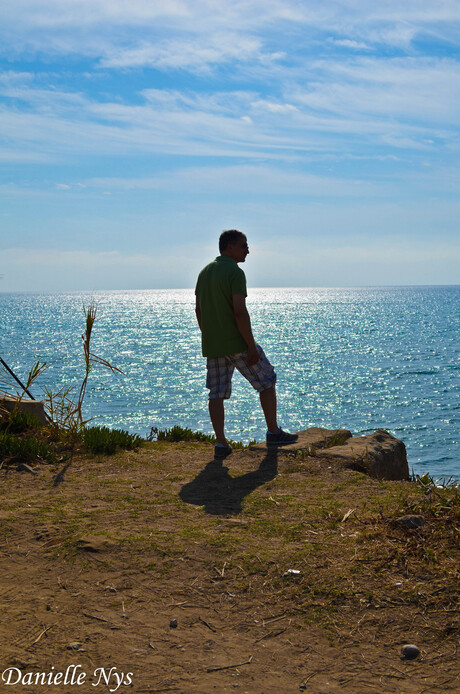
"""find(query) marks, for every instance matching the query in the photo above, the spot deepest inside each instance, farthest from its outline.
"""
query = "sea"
(355, 358)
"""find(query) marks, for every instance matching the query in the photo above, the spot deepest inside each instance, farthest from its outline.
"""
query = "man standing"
(228, 342)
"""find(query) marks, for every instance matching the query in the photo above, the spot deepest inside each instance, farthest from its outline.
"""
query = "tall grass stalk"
(7, 386)
(66, 413)
(90, 357)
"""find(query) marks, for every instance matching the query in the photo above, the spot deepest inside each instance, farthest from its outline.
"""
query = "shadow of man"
(221, 494)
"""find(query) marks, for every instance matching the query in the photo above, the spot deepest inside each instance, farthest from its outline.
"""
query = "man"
(228, 342)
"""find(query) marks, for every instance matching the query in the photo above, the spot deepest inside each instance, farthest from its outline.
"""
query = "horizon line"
(192, 289)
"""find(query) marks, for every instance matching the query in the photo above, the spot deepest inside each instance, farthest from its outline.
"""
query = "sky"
(133, 133)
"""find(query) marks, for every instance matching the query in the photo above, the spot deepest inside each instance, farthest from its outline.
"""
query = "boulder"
(34, 408)
(310, 440)
(379, 455)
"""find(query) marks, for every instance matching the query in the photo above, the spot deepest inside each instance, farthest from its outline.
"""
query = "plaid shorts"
(220, 371)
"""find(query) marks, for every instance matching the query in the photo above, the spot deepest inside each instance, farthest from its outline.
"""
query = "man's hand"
(198, 311)
(253, 355)
(243, 323)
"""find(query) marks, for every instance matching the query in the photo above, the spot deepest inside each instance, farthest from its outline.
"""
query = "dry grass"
(282, 573)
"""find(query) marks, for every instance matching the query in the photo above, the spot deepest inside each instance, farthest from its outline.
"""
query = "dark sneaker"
(221, 452)
(282, 438)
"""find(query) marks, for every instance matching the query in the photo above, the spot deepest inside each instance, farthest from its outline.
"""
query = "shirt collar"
(225, 259)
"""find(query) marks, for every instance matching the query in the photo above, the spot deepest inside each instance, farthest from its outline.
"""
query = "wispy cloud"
(191, 55)
(424, 89)
(403, 105)
(285, 111)
(349, 43)
(203, 33)
(242, 179)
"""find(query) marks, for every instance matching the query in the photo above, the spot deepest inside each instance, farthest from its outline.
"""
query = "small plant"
(18, 422)
(24, 449)
(14, 419)
(66, 413)
(336, 440)
(427, 482)
(90, 357)
(36, 370)
(66, 423)
(16, 425)
(177, 434)
(62, 410)
(104, 440)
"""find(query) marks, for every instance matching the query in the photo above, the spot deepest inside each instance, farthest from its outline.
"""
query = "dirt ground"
(165, 571)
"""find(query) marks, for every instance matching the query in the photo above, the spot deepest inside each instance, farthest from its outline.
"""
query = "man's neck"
(230, 257)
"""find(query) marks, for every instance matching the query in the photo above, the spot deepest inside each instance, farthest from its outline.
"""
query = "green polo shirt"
(217, 283)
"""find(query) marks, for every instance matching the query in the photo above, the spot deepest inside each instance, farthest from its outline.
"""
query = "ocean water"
(361, 359)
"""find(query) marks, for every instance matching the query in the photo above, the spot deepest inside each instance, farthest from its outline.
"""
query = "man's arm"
(198, 311)
(243, 323)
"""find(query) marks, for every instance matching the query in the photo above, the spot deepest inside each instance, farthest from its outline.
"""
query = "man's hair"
(228, 237)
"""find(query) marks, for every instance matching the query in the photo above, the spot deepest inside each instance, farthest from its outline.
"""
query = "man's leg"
(217, 414)
(268, 402)
(263, 378)
(219, 382)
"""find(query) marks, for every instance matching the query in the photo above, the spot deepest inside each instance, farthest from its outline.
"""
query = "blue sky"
(132, 133)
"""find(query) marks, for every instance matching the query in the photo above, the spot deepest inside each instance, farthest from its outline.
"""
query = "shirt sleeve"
(238, 285)
(197, 286)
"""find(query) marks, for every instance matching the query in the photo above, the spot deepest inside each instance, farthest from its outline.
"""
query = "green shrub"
(24, 449)
(17, 422)
(177, 433)
(104, 440)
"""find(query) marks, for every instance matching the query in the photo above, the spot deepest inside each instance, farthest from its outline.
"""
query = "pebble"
(74, 646)
(23, 467)
(411, 522)
(173, 623)
(409, 652)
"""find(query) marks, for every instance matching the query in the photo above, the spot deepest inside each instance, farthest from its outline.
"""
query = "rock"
(310, 440)
(23, 467)
(94, 543)
(75, 646)
(411, 522)
(379, 455)
(173, 623)
(409, 652)
(35, 408)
